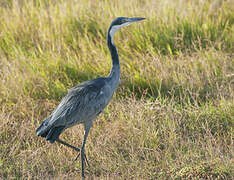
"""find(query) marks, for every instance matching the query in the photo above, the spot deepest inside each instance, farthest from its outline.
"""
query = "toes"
(77, 157)
(85, 158)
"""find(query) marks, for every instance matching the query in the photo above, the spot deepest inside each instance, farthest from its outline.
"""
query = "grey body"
(82, 104)
(86, 101)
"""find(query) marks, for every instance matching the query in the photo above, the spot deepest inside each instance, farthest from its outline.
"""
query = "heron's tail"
(49, 132)
(42, 130)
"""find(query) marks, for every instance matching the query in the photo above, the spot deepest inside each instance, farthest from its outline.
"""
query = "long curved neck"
(114, 75)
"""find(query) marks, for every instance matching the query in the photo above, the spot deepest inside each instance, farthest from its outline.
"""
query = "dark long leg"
(68, 145)
(87, 127)
(73, 147)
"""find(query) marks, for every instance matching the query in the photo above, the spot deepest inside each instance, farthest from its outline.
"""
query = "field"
(172, 116)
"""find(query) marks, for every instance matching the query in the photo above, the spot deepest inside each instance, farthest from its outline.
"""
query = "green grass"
(171, 117)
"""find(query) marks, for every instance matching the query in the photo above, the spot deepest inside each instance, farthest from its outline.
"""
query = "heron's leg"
(87, 127)
(68, 145)
(73, 147)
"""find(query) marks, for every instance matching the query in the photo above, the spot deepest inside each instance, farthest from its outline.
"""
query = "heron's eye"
(121, 20)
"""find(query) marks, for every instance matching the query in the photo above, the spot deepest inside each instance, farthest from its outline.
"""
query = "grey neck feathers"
(115, 71)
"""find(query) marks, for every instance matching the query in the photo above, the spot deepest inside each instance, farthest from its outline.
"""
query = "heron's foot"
(86, 160)
(74, 148)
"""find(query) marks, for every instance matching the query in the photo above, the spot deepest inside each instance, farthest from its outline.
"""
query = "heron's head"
(121, 22)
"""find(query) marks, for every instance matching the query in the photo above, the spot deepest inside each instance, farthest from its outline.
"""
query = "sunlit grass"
(171, 117)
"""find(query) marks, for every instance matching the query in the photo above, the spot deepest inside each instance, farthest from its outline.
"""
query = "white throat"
(115, 28)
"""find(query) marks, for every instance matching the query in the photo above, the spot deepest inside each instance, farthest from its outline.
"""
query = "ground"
(172, 115)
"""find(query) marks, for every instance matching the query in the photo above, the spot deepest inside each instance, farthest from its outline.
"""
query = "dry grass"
(172, 116)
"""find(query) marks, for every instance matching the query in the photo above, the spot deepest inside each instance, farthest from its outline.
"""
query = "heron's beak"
(135, 19)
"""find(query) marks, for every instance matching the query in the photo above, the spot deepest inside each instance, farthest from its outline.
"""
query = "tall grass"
(171, 117)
